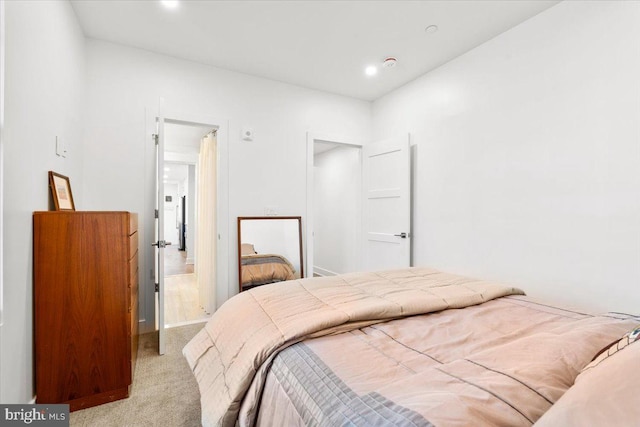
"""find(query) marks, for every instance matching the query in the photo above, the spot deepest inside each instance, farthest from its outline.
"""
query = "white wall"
(336, 217)
(527, 156)
(270, 171)
(45, 75)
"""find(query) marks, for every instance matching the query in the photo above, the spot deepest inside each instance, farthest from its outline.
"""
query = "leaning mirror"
(269, 250)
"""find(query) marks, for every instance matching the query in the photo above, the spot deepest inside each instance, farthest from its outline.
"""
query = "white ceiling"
(322, 45)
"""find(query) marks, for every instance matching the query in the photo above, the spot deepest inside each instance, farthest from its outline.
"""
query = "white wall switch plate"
(61, 147)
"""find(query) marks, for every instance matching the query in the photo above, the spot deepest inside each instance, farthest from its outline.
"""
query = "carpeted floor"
(164, 391)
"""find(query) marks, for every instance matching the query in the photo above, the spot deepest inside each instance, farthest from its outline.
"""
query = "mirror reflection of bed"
(269, 250)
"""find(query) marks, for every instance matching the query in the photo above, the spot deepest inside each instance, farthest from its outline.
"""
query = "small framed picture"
(61, 192)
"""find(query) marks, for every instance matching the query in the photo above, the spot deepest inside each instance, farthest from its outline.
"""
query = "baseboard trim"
(33, 401)
(322, 272)
(145, 327)
(188, 322)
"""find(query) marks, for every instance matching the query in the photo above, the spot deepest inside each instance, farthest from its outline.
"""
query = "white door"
(387, 204)
(160, 243)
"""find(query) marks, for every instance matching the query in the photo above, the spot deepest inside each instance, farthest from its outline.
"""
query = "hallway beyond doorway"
(175, 261)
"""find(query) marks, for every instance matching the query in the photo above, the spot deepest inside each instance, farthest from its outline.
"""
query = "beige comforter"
(230, 355)
(503, 363)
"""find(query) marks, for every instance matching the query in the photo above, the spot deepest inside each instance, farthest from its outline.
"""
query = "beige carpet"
(164, 391)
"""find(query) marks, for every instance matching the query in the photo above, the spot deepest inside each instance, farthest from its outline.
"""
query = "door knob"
(401, 235)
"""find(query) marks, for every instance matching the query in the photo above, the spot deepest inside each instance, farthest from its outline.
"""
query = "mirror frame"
(243, 218)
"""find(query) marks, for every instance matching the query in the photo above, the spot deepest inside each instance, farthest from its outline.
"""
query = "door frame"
(313, 137)
(220, 291)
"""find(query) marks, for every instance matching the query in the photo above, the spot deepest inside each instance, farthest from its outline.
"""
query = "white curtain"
(206, 233)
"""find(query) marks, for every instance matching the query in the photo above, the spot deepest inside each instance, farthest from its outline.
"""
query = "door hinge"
(157, 287)
(155, 138)
(156, 213)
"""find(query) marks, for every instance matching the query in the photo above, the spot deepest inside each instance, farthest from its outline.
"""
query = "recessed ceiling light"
(431, 29)
(169, 4)
(167, 169)
(371, 70)
(166, 176)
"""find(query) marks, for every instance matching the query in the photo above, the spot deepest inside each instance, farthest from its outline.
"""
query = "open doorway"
(183, 297)
(213, 285)
(334, 206)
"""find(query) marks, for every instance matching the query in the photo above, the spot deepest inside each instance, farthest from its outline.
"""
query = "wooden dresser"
(85, 268)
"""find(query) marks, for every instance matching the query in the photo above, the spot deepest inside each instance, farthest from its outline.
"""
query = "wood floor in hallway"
(175, 261)
(181, 304)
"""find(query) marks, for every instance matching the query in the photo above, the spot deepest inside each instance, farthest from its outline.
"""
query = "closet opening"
(334, 208)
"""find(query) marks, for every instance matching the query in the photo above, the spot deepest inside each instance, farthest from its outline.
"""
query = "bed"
(414, 347)
(261, 269)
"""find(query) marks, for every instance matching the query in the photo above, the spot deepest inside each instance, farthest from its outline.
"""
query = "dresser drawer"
(133, 270)
(134, 312)
(133, 244)
(133, 223)
(133, 295)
